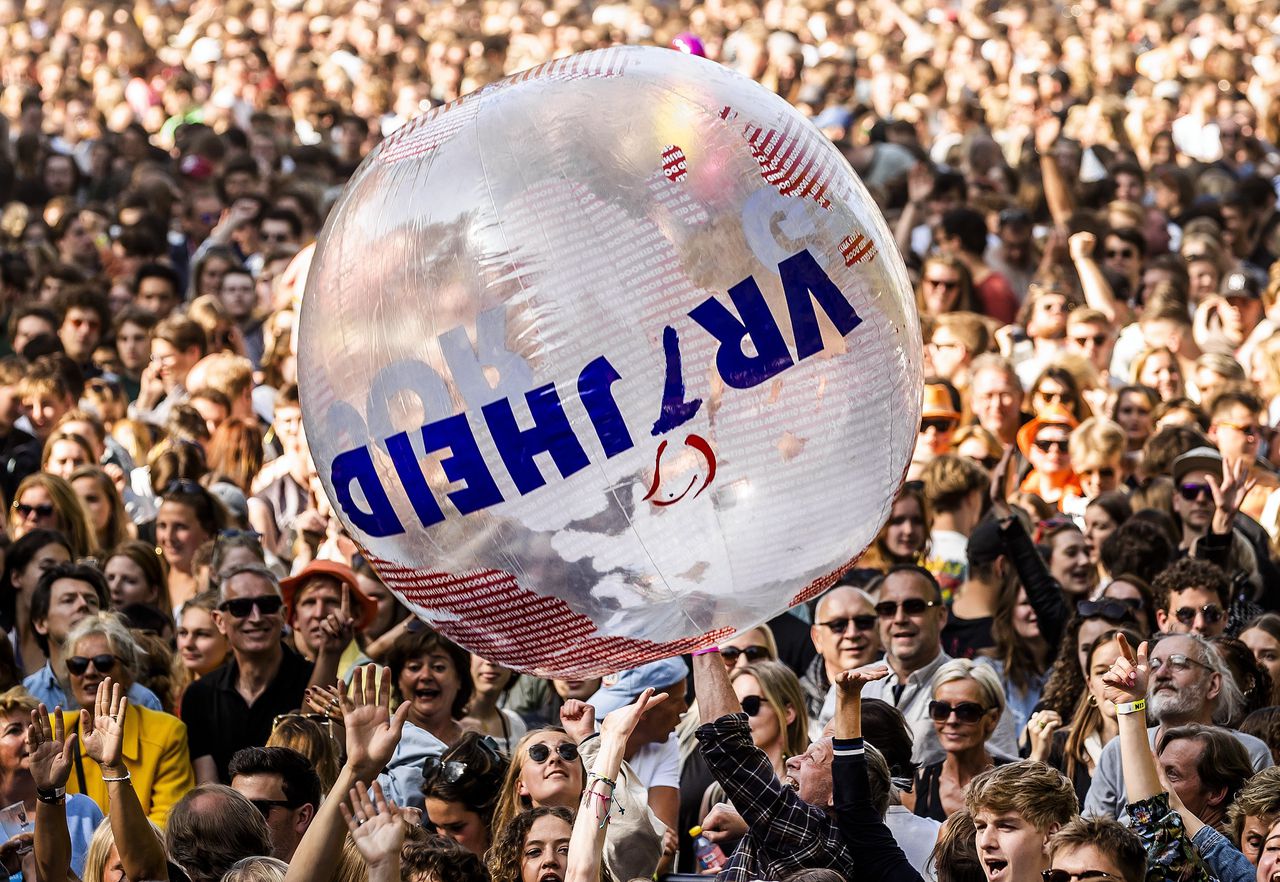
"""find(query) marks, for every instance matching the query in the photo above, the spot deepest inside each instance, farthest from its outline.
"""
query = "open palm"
(375, 825)
(105, 735)
(372, 730)
(50, 750)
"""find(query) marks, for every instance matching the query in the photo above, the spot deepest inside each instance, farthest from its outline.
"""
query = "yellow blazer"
(156, 755)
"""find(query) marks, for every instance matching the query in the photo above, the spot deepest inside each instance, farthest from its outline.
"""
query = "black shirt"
(219, 722)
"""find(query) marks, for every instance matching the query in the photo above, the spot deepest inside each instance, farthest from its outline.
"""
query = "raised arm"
(1057, 192)
(51, 752)
(716, 697)
(372, 735)
(1097, 290)
(593, 816)
(377, 830)
(141, 852)
(863, 828)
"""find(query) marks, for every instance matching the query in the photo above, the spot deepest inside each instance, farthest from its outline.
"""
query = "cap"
(619, 690)
(366, 608)
(1240, 284)
(985, 542)
(937, 403)
(1206, 458)
(1050, 416)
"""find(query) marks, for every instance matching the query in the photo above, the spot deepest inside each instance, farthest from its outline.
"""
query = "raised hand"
(372, 730)
(325, 700)
(1040, 729)
(375, 825)
(849, 683)
(578, 719)
(1230, 493)
(1081, 245)
(1127, 679)
(103, 741)
(50, 749)
(1003, 481)
(1048, 128)
(623, 721)
(338, 627)
(919, 183)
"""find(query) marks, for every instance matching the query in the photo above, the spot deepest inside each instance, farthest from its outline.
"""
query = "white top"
(916, 837)
(658, 765)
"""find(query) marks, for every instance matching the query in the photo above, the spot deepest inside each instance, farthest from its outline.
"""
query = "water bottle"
(709, 855)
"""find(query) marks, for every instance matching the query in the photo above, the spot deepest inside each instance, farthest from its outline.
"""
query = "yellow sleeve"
(174, 776)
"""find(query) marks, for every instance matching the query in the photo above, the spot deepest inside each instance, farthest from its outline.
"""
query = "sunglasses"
(914, 520)
(1114, 611)
(937, 424)
(242, 607)
(1212, 614)
(182, 485)
(1046, 444)
(78, 664)
(238, 534)
(860, 623)
(264, 806)
(44, 510)
(965, 711)
(1121, 253)
(753, 653)
(1177, 662)
(451, 771)
(1096, 340)
(540, 753)
(1192, 492)
(1249, 432)
(1106, 473)
(1082, 876)
(944, 284)
(751, 704)
(1051, 396)
(912, 606)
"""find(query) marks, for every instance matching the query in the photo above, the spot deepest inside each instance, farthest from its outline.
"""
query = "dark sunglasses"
(753, 653)
(1047, 444)
(540, 753)
(915, 520)
(944, 284)
(78, 664)
(43, 510)
(1212, 614)
(751, 704)
(937, 424)
(860, 623)
(1114, 611)
(242, 607)
(1096, 340)
(965, 711)
(912, 606)
(451, 771)
(264, 806)
(1192, 492)
(1122, 253)
(1082, 876)
(182, 485)
(1106, 472)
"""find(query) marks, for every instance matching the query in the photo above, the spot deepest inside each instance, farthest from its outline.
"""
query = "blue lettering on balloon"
(594, 384)
(801, 278)
(737, 369)
(467, 365)
(356, 466)
(675, 410)
(414, 482)
(466, 465)
(551, 433)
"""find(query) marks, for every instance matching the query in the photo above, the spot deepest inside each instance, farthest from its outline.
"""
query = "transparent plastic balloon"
(608, 361)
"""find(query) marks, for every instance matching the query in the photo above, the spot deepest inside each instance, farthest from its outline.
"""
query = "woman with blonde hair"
(236, 452)
(64, 452)
(1264, 372)
(47, 501)
(1159, 368)
(968, 700)
(977, 444)
(312, 736)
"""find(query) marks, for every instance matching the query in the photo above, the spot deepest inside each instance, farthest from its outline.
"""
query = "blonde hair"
(989, 685)
(1040, 794)
(72, 517)
(100, 846)
(257, 869)
(17, 700)
(948, 479)
(1096, 441)
(510, 802)
(780, 687)
(310, 739)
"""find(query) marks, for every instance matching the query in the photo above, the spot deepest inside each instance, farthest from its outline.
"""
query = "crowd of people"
(1059, 660)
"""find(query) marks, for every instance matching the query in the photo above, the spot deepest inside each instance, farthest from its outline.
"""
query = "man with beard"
(844, 634)
(1190, 684)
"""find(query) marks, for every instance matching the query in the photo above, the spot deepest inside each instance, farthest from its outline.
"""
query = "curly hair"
(503, 857)
(1258, 798)
(1188, 573)
(440, 858)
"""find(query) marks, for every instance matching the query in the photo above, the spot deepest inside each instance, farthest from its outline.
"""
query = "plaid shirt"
(785, 833)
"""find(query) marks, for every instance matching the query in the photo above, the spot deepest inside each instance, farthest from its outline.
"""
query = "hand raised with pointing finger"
(1127, 679)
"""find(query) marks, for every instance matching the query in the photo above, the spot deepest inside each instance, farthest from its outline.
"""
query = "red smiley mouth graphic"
(698, 443)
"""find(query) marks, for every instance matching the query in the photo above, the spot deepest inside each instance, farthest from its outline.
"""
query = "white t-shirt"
(658, 765)
(916, 837)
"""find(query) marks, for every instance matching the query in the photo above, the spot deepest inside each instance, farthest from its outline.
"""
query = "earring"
(1093, 700)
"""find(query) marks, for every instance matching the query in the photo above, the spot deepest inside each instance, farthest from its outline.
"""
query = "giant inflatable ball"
(608, 361)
